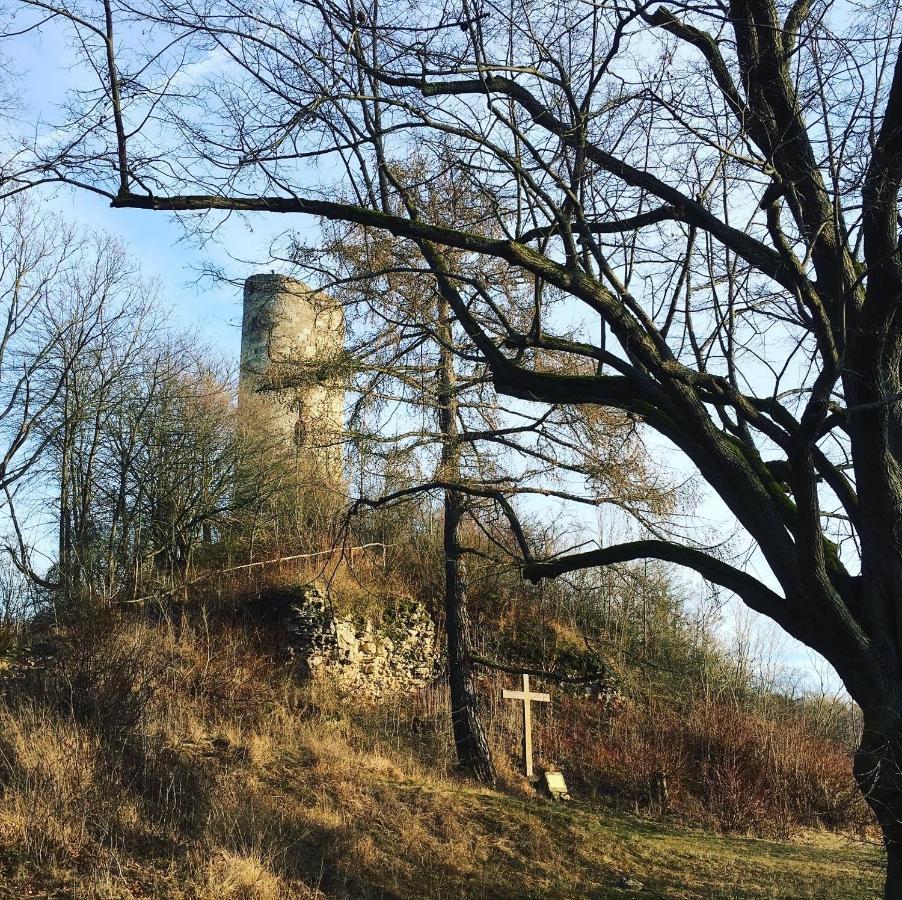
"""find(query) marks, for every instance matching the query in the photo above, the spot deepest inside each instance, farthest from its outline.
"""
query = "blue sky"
(42, 61)
(164, 252)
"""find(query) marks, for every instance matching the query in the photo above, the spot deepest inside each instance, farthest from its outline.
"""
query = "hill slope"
(309, 815)
(160, 759)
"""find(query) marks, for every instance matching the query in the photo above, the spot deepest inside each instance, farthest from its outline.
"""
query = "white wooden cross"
(526, 697)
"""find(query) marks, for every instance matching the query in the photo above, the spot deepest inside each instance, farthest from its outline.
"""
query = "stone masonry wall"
(372, 658)
(286, 326)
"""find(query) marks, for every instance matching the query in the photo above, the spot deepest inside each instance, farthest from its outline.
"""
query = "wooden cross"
(526, 697)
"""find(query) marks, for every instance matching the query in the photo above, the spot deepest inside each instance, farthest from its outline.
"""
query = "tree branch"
(753, 592)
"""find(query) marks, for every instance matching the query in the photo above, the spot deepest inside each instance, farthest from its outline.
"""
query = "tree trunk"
(893, 888)
(473, 754)
(878, 771)
(66, 564)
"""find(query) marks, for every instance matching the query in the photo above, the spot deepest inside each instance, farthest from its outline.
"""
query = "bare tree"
(42, 318)
(422, 396)
(106, 309)
(128, 434)
(152, 464)
(713, 191)
(192, 470)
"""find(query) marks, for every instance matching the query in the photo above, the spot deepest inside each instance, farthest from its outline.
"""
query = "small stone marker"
(527, 698)
(629, 884)
(556, 785)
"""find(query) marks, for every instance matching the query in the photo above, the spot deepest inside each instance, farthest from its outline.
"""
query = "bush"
(719, 765)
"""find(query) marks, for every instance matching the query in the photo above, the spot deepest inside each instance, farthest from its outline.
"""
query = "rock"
(629, 884)
(555, 785)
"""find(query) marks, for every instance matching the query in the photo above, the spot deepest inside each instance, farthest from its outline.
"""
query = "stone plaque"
(556, 785)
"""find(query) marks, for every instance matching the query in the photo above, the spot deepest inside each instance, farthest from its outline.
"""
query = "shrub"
(724, 766)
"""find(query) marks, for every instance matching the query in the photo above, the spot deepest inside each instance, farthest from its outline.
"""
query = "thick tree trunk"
(893, 889)
(473, 754)
(878, 771)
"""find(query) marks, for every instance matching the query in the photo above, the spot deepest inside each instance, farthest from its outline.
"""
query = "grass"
(227, 781)
(316, 818)
(502, 846)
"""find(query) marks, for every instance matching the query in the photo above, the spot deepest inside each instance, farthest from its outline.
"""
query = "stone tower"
(291, 338)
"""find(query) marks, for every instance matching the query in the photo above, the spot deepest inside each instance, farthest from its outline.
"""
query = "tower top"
(271, 280)
(275, 285)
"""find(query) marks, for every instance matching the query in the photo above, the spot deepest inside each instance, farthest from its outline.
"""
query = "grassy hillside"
(323, 820)
(165, 759)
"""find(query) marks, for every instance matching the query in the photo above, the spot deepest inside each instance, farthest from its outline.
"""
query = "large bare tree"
(710, 193)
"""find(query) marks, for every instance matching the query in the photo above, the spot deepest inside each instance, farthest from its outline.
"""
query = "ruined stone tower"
(291, 340)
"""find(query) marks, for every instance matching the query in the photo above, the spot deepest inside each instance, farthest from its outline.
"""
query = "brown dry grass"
(178, 760)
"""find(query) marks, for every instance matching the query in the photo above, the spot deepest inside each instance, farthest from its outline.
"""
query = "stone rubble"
(375, 659)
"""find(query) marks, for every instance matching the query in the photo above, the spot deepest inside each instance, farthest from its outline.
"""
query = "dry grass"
(202, 771)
